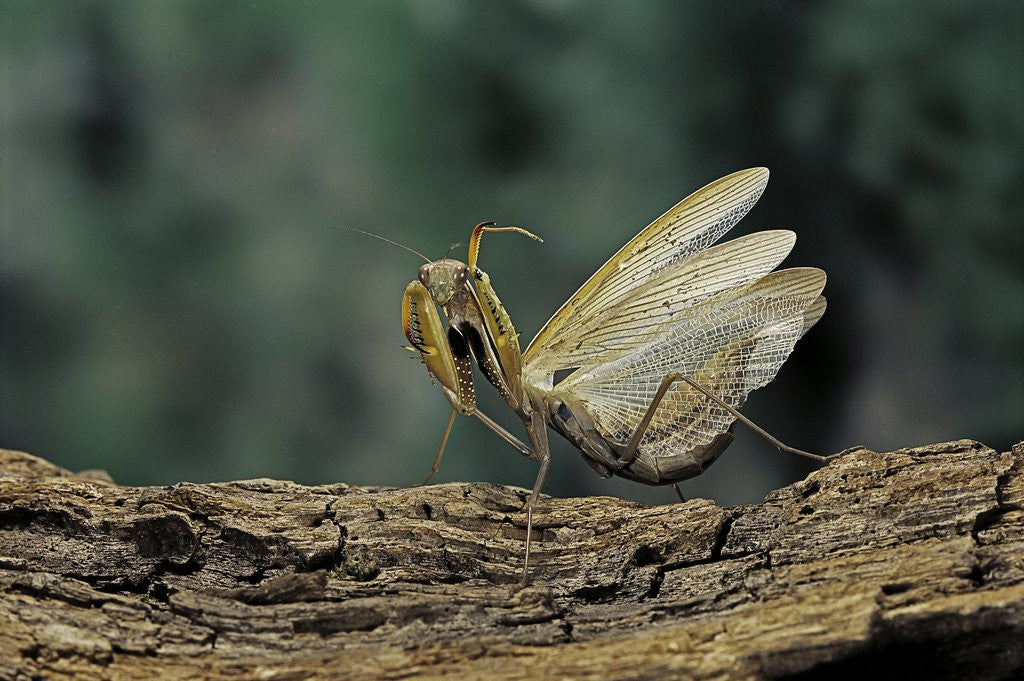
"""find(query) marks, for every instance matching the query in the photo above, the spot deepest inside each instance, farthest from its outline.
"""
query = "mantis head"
(443, 278)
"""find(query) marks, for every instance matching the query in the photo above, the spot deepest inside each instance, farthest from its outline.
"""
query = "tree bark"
(907, 564)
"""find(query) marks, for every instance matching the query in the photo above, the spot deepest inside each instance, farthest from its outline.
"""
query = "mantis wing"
(669, 301)
(732, 343)
(656, 259)
(668, 294)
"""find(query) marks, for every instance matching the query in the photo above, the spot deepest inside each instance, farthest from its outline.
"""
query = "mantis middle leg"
(508, 437)
(538, 432)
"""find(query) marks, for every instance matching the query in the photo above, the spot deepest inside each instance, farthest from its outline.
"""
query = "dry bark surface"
(908, 564)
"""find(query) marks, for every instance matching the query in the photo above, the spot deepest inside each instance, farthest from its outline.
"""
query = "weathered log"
(908, 564)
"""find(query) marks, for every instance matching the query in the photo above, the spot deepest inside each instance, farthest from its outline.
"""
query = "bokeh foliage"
(177, 300)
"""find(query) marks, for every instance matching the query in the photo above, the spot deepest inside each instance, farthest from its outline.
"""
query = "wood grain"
(908, 564)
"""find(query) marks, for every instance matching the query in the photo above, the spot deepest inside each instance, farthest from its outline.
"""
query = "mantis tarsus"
(661, 345)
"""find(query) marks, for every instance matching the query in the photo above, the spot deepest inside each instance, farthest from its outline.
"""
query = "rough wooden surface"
(908, 564)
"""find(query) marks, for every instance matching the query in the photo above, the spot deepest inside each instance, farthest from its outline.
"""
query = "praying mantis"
(645, 367)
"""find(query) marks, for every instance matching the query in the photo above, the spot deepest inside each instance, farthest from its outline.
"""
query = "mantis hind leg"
(673, 377)
(779, 444)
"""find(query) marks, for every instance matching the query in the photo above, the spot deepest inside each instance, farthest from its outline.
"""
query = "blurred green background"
(178, 301)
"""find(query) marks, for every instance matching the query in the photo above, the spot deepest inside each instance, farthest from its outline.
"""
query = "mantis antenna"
(387, 241)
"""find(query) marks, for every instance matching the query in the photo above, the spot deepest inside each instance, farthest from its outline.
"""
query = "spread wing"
(670, 301)
(631, 322)
(620, 302)
(731, 343)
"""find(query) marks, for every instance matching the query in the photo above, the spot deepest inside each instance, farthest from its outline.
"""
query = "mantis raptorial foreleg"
(451, 365)
(673, 377)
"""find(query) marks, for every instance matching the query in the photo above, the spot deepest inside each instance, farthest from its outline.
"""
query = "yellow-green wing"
(628, 288)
